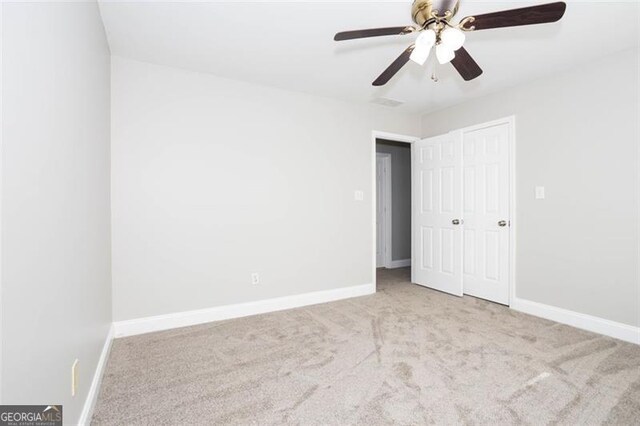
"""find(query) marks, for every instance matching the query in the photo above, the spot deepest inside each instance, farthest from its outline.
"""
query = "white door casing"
(383, 210)
(486, 232)
(436, 206)
(379, 214)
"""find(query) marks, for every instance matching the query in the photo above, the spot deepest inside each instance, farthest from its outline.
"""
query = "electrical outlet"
(255, 278)
(358, 195)
(74, 377)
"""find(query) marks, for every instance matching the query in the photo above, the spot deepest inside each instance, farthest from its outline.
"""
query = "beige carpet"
(406, 355)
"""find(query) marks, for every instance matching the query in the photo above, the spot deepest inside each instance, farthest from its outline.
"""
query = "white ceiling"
(290, 45)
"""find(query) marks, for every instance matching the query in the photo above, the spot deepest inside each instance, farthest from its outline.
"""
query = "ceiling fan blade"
(373, 32)
(541, 14)
(465, 65)
(394, 67)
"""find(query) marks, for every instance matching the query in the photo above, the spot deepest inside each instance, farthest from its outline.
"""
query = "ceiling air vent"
(386, 102)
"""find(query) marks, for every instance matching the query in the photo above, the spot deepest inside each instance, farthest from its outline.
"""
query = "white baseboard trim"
(609, 328)
(184, 319)
(403, 263)
(94, 389)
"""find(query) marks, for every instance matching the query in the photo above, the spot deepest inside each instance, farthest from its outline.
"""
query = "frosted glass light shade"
(452, 38)
(426, 38)
(420, 54)
(424, 43)
(444, 53)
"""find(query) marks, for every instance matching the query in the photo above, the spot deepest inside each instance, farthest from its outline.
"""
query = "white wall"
(577, 135)
(213, 179)
(56, 288)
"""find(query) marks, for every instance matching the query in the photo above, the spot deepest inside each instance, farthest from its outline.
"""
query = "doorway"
(463, 209)
(393, 204)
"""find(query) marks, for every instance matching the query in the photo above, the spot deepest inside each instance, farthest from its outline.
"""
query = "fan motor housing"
(421, 9)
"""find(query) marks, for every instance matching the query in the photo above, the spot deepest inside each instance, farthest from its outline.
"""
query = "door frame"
(510, 121)
(378, 134)
(387, 216)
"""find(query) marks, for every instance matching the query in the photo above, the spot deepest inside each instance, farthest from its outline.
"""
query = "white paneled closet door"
(437, 210)
(486, 212)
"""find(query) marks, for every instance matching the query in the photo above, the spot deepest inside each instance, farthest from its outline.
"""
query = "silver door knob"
(502, 223)
(456, 221)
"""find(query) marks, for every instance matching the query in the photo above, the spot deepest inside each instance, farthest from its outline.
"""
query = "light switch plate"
(358, 195)
(539, 192)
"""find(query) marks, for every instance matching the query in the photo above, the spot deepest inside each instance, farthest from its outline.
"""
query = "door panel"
(485, 203)
(427, 246)
(437, 201)
(426, 181)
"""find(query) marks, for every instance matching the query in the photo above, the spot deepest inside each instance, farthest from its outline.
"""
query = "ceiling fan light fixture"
(452, 38)
(444, 53)
(435, 28)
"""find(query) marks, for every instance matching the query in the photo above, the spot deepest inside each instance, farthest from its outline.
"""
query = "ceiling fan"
(433, 23)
